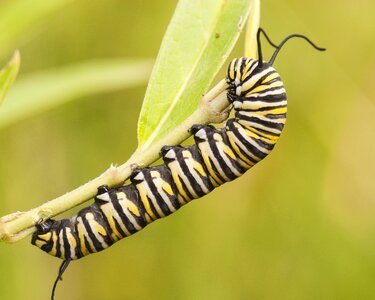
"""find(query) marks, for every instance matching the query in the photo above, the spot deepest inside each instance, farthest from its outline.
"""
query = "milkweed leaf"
(198, 40)
(251, 48)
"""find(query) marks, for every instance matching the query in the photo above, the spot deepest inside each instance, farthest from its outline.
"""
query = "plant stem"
(16, 226)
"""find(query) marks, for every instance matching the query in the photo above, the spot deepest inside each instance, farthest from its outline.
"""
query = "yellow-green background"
(300, 225)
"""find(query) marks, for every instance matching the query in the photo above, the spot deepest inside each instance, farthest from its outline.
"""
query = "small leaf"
(40, 91)
(252, 26)
(195, 46)
(8, 75)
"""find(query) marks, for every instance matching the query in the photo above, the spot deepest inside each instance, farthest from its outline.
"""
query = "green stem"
(18, 225)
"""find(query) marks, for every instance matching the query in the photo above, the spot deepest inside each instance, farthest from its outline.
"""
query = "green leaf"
(40, 91)
(195, 46)
(8, 75)
(251, 48)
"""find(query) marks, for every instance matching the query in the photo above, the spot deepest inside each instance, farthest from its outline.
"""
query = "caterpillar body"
(219, 155)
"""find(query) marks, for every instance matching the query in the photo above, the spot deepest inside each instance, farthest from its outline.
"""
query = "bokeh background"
(300, 225)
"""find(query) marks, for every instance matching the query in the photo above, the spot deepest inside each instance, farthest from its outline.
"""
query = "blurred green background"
(300, 225)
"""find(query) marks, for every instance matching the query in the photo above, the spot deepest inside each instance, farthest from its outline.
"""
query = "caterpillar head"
(241, 76)
(42, 237)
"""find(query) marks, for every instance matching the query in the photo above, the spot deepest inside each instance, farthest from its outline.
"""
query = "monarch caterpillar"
(219, 155)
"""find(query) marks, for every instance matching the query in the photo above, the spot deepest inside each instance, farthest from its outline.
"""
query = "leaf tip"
(8, 74)
(16, 58)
